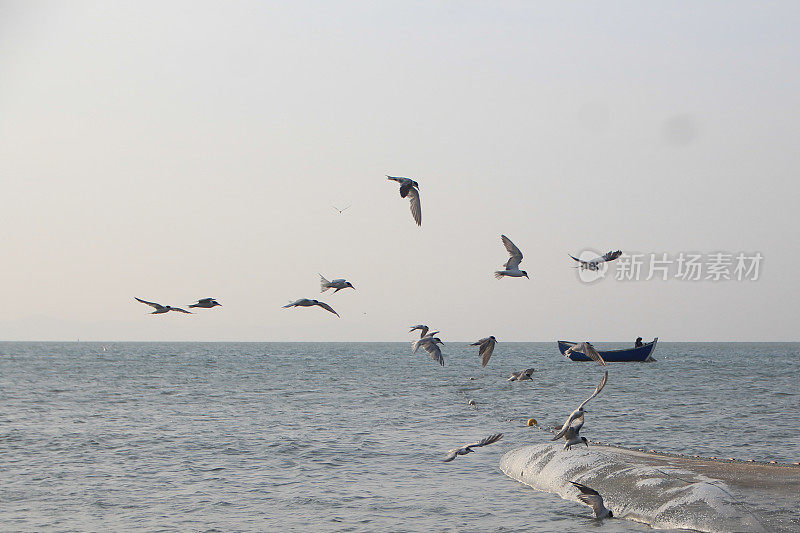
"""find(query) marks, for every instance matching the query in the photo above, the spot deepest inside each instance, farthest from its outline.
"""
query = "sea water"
(349, 437)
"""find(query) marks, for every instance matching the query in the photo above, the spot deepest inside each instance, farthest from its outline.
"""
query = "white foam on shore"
(661, 496)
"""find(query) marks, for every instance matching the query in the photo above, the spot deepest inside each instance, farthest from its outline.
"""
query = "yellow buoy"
(532, 422)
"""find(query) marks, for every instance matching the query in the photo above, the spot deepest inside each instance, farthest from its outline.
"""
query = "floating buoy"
(532, 422)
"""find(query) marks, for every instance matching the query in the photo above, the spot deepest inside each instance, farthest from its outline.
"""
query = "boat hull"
(641, 354)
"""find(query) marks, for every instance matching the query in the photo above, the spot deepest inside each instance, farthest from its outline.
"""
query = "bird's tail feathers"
(498, 275)
(323, 283)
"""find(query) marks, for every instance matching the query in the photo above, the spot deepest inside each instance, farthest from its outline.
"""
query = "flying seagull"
(206, 303)
(410, 188)
(161, 308)
(579, 411)
(572, 435)
(511, 268)
(341, 210)
(337, 284)
(305, 302)
(464, 450)
(429, 345)
(586, 349)
(594, 264)
(522, 375)
(592, 498)
(486, 348)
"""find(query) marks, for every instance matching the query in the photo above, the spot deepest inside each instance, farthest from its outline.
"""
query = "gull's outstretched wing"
(610, 256)
(590, 497)
(484, 442)
(416, 208)
(151, 304)
(516, 255)
(486, 349)
(596, 391)
(422, 327)
(178, 309)
(292, 304)
(434, 350)
(451, 455)
(588, 350)
(327, 307)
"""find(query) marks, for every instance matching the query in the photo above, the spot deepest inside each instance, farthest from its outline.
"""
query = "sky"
(178, 150)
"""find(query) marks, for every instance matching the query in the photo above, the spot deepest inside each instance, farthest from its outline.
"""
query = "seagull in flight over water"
(486, 348)
(579, 411)
(341, 210)
(337, 284)
(161, 308)
(429, 345)
(464, 450)
(586, 349)
(410, 188)
(592, 498)
(522, 375)
(572, 437)
(305, 302)
(206, 303)
(594, 264)
(511, 268)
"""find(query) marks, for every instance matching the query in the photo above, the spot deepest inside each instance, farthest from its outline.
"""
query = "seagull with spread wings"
(337, 284)
(306, 302)
(341, 210)
(579, 411)
(592, 498)
(586, 349)
(594, 264)
(410, 188)
(464, 450)
(486, 348)
(428, 343)
(511, 267)
(159, 309)
(206, 303)
(572, 435)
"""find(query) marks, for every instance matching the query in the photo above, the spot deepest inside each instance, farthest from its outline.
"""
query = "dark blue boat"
(642, 353)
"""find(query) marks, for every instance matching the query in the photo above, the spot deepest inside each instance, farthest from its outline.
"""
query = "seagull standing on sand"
(305, 302)
(522, 375)
(464, 450)
(486, 348)
(592, 498)
(579, 411)
(410, 188)
(161, 308)
(511, 267)
(429, 345)
(594, 264)
(586, 349)
(206, 303)
(337, 284)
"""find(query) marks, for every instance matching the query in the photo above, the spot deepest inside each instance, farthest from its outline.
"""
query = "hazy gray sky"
(178, 150)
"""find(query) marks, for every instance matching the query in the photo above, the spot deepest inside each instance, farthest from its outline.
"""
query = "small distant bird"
(410, 188)
(337, 284)
(511, 267)
(305, 302)
(206, 303)
(486, 348)
(464, 450)
(586, 349)
(572, 434)
(429, 345)
(473, 404)
(522, 375)
(341, 210)
(161, 308)
(592, 498)
(594, 264)
(579, 411)
(423, 331)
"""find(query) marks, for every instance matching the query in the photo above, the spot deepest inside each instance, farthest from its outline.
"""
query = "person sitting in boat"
(638, 343)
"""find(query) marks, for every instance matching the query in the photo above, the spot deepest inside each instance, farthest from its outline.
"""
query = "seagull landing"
(579, 411)
(511, 267)
(464, 450)
(592, 498)
(410, 188)
(572, 437)
(594, 264)
(206, 303)
(429, 345)
(337, 284)
(305, 302)
(161, 308)
(586, 349)
(522, 375)
(486, 348)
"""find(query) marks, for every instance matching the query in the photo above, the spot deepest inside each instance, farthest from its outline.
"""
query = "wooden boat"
(643, 353)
